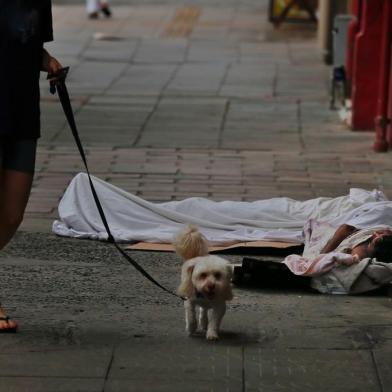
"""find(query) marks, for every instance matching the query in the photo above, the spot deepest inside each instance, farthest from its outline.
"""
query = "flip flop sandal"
(7, 330)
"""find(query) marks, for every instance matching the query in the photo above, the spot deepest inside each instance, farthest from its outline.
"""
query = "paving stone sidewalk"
(178, 99)
(187, 100)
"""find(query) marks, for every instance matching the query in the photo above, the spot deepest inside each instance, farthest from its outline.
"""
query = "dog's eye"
(203, 275)
(217, 275)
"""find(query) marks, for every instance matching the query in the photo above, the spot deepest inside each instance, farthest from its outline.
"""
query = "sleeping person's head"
(380, 246)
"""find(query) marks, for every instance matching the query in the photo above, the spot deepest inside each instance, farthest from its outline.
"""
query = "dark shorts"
(18, 155)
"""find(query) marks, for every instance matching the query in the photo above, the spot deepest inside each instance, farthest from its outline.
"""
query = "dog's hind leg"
(203, 319)
(190, 317)
(215, 316)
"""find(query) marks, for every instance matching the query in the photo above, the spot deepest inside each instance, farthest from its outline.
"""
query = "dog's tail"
(190, 243)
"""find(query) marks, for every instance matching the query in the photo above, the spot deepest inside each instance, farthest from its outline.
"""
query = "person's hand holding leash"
(50, 65)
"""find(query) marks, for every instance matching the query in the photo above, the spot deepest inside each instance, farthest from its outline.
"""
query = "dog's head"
(208, 277)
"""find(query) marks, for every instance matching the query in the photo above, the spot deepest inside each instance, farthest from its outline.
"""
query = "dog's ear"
(227, 291)
(186, 287)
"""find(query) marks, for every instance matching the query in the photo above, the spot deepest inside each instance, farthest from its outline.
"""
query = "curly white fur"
(205, 282)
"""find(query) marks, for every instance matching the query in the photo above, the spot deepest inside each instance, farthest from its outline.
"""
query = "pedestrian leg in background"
(105, 8)
(93, 8)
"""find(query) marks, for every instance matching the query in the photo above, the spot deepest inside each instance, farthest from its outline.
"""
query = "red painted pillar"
(366, 65)
(353, 29)
(384, 104)
(388, 117)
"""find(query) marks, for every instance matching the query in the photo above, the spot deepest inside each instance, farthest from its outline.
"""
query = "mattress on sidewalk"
(133, 219)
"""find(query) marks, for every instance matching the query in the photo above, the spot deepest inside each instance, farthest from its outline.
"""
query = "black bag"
(268, 274)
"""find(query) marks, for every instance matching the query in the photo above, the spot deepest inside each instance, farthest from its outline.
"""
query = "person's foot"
(6, 324)
(106, 11)
(93, 15)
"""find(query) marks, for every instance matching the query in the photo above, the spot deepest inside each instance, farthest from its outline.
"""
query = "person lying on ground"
(347, 246)
(376, 244)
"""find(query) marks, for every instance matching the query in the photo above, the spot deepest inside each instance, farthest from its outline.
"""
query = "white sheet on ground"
(134, 219)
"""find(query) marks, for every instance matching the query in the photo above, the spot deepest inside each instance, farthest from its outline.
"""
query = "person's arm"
(49, 63)
(341, 233)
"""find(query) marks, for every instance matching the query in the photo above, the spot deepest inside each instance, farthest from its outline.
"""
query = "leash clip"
(57, 78)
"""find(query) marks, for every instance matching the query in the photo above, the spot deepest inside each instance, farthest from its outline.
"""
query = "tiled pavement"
(175, 101)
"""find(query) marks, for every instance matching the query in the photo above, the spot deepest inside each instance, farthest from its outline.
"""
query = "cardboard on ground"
(250, 244)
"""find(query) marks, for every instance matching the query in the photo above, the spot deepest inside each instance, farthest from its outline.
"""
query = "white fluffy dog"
(205, 283)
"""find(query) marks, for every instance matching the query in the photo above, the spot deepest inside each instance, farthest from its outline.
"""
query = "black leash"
(58, 84)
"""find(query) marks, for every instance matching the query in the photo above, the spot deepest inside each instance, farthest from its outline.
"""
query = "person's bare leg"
(15, 189)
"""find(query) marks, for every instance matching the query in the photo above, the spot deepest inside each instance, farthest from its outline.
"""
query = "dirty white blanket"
(134, 219)
(318, 265)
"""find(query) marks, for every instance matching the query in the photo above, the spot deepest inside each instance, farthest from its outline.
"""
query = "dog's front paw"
(203, 322)
(212, 335)
(191, 327)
